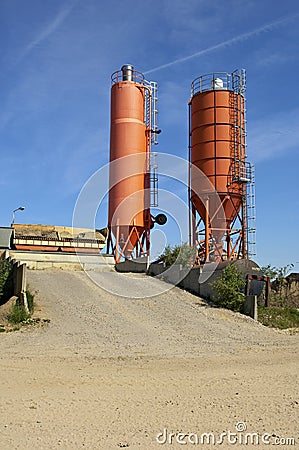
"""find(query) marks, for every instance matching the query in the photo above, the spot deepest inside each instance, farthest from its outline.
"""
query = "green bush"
(18, 314)
(30, 301)
(6, 281)
(229, 289)
(276, 317)
(179, 254)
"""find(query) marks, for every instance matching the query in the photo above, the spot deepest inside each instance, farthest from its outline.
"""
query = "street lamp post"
(20, 208)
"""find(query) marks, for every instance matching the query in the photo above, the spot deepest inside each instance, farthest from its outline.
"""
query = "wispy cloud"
(274, 136)
(278, 57)
(47, 31)
(235, 40)
(172, 108)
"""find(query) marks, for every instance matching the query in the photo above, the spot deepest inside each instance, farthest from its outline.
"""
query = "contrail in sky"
(242, 37)
(48, 30)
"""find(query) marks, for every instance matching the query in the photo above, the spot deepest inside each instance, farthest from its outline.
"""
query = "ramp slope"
(85, 318)
(112, 372)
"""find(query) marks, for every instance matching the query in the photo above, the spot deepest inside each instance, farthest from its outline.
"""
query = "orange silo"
(131, 133)
(217, 153)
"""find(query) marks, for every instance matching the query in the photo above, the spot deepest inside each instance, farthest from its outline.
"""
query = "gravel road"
(112, 372)
(89, 320)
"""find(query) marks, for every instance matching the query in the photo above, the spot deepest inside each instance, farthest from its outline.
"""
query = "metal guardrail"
(61, 240)
(151, 99)
(137, 77)
(235, 82)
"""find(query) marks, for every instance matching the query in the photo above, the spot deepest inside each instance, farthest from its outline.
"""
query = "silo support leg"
(228, 247)
(117, 242)
(207, 231)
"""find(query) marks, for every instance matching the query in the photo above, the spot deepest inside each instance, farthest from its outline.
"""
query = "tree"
(229, 288)
(269, 271)
(276, 273)
(277, 276)
(179, 254)
(6, 281)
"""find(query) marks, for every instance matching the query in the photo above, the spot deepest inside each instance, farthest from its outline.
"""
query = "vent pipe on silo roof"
(127, 71)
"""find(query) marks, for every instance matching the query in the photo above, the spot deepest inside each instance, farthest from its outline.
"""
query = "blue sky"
(56, 61)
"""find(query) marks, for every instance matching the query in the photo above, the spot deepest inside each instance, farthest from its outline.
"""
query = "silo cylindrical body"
(129, 196)
(217, 148)
(213, 135)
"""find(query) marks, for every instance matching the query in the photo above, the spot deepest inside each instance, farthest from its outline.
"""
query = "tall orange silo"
(132, 131)
(217, 155)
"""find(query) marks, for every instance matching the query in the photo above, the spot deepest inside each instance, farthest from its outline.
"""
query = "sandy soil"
(110, 372)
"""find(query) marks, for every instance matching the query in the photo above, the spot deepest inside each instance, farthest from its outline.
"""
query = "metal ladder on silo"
(246, 177)
(151, 110)
(147, 109)
(238, 83)
(153, 180)
(154, 140)
(251, 215)
(154, 111)
(242, 171)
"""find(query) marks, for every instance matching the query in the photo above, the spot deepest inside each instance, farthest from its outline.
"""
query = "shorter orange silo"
(217, 143)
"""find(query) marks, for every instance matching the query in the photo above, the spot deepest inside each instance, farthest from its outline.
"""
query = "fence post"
(250, 306)
(16, 288)
(268, 289)
(21, 284)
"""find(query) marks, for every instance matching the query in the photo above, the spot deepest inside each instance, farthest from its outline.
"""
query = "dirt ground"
(111, 372)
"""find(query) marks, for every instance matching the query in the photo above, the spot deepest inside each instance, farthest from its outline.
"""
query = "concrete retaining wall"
(63, 261)
(190, 282)
(199, 279)
(19, 279)
(186, 278)
(5, 237)
(131, 266)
